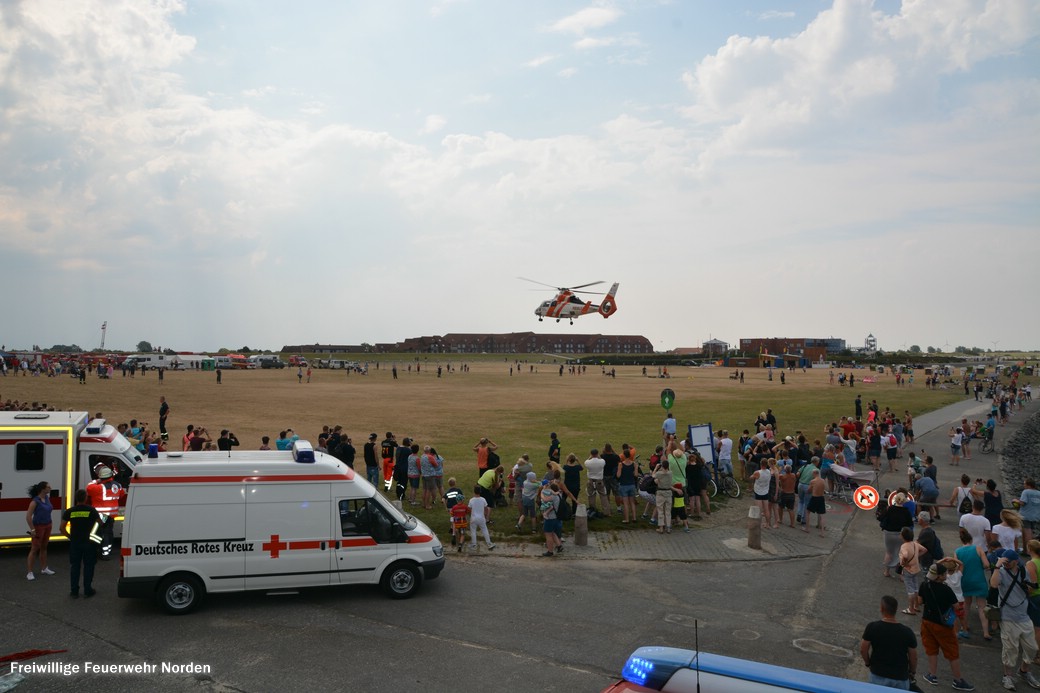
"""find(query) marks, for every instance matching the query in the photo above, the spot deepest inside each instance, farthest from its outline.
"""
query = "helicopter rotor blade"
(582, 286)
(556, 288)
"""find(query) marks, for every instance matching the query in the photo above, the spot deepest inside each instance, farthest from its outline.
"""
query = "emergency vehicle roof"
(260, 465)
(42, 418)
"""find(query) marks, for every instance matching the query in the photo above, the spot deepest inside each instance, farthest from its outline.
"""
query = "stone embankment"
(1020, 457)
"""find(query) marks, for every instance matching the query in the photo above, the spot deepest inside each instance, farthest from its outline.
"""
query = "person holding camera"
(199, 440)
(1017, 641)
(226, 441)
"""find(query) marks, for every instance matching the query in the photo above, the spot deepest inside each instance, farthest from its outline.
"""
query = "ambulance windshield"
(405, 520)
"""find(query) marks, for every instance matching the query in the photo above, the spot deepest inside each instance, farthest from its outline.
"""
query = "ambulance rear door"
(27, 457)
(289, 526)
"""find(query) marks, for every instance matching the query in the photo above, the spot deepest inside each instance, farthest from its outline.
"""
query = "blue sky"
(229, 173)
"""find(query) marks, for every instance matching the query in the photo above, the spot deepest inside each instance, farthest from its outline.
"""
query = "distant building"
(324, 348)
(788, 350)
(714, 347)
(792, 345)
(508, 343)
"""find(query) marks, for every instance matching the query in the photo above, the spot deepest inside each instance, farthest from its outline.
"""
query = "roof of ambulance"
(42, 418)
(249, 464)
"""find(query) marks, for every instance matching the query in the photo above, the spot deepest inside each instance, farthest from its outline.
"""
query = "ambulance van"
(213, 522)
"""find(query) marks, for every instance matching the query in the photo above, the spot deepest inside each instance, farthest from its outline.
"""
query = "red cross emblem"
(274, 546)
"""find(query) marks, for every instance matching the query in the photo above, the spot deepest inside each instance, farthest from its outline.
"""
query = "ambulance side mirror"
(398, 533)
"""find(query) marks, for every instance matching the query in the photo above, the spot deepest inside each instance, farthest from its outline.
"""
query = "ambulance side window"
(353, 518)
(29, 457)
(359, 518)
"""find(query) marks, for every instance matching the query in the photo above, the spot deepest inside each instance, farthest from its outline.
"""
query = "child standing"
(679, 505)
(479, 514)
(954, 572)
(455, 502)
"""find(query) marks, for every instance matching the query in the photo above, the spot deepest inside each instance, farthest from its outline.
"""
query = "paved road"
(503, 622)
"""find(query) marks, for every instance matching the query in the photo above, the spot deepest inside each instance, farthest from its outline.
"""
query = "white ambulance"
(61, 448)
(212, 522)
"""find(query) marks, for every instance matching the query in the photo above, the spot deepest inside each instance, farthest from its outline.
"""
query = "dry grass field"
(452, 412)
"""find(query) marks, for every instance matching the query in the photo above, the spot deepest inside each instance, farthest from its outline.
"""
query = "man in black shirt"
(387, 450)
(371, 461)
(226, 441)
(164, 412)
(346, 451)
(81, 524)
(401, 467)
(889, 649)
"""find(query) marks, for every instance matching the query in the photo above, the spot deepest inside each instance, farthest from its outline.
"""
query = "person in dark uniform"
(554, 448)
(80, 524)
(164, 412)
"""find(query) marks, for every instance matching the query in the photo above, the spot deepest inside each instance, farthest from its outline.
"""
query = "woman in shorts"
(760, 487)
(910, 561)
(956, 441)
(38, 517)
(626, 477)
(428, 467)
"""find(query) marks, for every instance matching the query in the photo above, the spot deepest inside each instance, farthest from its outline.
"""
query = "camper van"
(150, 361)
(213, 522)
(223, 362)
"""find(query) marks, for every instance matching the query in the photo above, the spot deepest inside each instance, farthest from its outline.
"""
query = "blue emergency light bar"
(682, 670)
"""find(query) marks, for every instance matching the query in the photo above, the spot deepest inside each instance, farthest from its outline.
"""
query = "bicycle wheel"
(731, 487)
(711, 487)
(987, 446)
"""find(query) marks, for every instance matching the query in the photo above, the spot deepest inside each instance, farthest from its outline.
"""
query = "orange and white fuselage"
(567, 305)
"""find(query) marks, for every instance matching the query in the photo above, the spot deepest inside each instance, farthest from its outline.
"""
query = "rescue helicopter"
(566, 304)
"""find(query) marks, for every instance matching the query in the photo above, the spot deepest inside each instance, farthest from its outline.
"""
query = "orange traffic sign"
(865, 497)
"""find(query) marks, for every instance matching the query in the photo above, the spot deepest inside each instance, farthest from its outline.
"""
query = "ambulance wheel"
(401, 580)
(180, 594)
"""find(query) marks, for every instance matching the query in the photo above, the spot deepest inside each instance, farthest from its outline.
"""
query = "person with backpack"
(963, 495)
(890, 446)
(1017, 642)
(937, 627)
(648, 493)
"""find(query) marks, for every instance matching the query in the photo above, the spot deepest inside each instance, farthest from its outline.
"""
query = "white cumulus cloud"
(585, 19)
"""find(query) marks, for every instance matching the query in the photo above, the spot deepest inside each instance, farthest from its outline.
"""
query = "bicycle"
(729, 485)
(987, 444)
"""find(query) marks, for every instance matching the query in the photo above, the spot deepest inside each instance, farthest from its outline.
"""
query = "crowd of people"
(993, 573)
